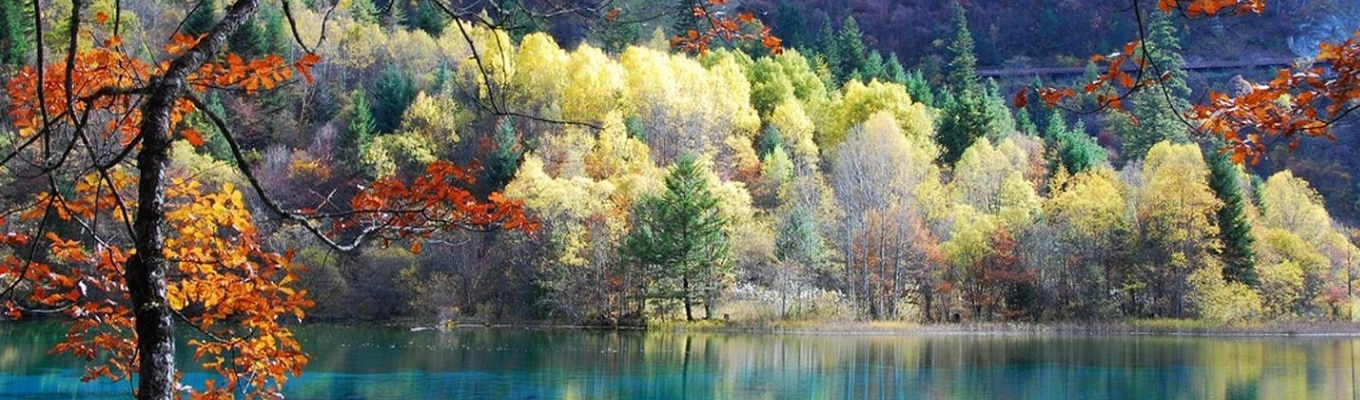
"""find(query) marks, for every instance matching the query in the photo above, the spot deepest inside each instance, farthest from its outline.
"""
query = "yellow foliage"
(858, 101)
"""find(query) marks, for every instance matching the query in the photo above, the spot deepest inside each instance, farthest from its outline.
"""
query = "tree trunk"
(689, 303)
(145, 271)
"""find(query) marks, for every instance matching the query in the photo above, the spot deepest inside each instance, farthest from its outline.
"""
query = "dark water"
(376, 363)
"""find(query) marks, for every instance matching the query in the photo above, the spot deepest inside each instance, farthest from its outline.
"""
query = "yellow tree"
(1176, 216)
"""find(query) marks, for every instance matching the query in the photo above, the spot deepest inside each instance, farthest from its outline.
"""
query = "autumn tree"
(678, 239)
(157, 246)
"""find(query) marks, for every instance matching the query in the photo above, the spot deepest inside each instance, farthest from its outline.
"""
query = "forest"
(387, 162)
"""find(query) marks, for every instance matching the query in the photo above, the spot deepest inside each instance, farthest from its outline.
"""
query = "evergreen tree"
(962, 75)
(1155, 112)
(392, 94)
(678, 239)
(918, 88)
(249, 41)
(799, 239)
(15, 44)
(1023, 122)
(502, 162)
(874, 68)
(1239, 260)
(428, 18)
(790, 25)
(997, 114)
(829, 48)
(853, 53)
(277, 39)
(894, 72)
(200, 20)
(361, 130)
(964, 121)
(683, 13)
(363, 11)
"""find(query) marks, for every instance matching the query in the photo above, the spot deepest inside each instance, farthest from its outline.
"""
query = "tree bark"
(145, 271)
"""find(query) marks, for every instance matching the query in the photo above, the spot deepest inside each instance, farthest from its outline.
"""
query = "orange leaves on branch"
(742, 27)
(435, 202)
(1205, 8)
(1298, 102)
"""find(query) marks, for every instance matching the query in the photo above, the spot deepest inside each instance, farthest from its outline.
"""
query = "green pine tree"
(1239, 260)
(363, 11)
(392, 94)
(853, 53)
(962, 75)
(1155, 112)
(790, 25)
(200, 20)
(502, 162)
(249, 41)
(678, 240)
(15, 44)
(361, 130)
(918, 88)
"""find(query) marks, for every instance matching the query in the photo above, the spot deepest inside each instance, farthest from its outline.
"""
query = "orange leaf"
(101, 17)
(746, 17)
(1021, 98)
(193, 137)
(304, 65)
(612, 15)
(415, 247)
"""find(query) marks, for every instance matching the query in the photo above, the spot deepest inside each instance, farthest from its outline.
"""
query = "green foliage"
(679, 239)
(393, 92)
(428, 18)
(361, 129)
(15, 31)
(962, 76)
(799, 239)
(249, 41)
(500, 164)
(201, 19)
(790, 25)
(963, 122)
(1239, 261)
(1155, 113)
(916, 84)
(363, 11)
(1075, 151)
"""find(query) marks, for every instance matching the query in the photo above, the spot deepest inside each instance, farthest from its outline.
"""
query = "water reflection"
(374, 363)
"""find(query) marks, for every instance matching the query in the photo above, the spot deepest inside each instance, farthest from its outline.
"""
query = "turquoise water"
(476, 363)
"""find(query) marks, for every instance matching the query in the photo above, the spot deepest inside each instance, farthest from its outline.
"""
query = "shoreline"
(1159, 327)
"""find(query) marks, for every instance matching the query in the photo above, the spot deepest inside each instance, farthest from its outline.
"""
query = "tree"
(1239, 261)
(393, 92)
(678, 239)
(361, 128)
(161, 248)
(14, 32)
(201, 19)
(1177, 211)
(962, 76)
(1156, 114)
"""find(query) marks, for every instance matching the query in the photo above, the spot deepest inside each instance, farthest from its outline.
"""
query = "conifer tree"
(200, 20)
(1239, 260)
(392, 94)
(1155, 112)
(679, 240)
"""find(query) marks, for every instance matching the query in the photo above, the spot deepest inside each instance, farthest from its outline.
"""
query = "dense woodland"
(424, 163)
(824, 182)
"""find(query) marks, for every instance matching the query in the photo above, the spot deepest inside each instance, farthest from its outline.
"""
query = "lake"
(477, 363)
